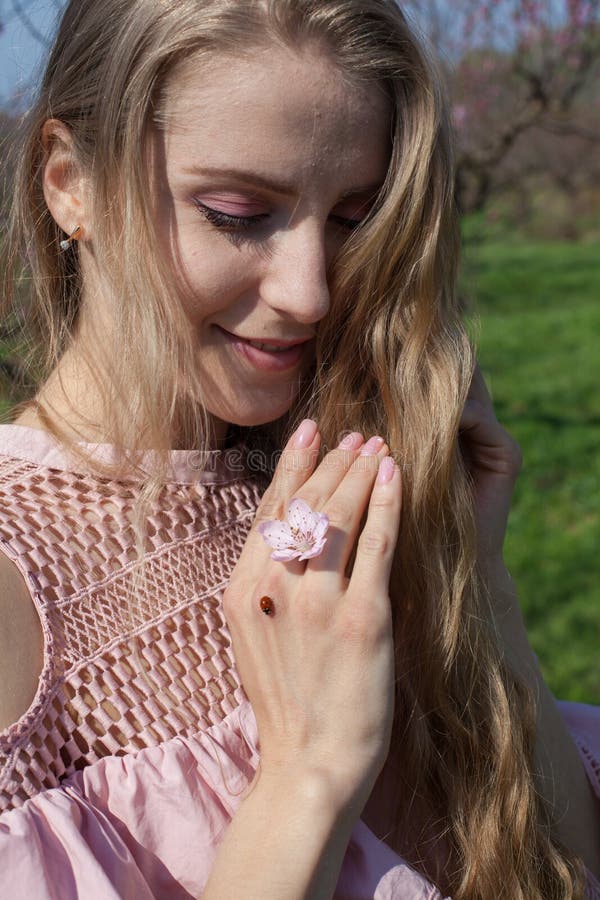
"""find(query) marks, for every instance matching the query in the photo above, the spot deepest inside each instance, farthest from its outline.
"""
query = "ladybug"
(267, 606)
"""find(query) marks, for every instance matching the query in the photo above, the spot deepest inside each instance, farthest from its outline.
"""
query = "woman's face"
(266, 164)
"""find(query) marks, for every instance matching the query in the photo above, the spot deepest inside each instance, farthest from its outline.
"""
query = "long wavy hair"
(393, 357)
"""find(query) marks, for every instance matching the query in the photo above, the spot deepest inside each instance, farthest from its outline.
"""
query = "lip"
(266, 360)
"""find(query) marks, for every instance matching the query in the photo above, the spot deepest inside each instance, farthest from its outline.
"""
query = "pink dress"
(121, 779)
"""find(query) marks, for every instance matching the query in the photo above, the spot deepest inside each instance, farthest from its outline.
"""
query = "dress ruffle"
(148, 825)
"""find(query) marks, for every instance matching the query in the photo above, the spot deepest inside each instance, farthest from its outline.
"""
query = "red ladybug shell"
(266, 604)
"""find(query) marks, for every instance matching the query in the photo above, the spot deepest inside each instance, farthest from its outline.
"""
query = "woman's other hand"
(319, 671)
(494, 459)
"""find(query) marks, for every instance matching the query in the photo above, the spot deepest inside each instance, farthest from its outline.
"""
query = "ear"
(64, 185)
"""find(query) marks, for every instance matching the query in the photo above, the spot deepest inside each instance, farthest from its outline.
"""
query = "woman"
(253, 205)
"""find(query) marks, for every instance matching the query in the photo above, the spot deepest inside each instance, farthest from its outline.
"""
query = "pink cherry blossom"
(302, 536)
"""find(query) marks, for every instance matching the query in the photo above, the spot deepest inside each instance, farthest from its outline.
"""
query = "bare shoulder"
(21, 644)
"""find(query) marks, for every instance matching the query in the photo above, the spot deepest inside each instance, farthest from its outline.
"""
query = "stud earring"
(74, 236)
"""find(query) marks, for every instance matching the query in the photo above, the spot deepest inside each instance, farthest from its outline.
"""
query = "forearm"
(286, 842)
(561, 778)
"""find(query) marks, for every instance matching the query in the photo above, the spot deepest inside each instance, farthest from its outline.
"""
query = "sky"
(20, 52)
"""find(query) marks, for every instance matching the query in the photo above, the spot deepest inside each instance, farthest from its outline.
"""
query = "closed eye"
(225, 220)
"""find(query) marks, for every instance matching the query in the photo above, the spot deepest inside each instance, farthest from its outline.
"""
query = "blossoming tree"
(516, 68)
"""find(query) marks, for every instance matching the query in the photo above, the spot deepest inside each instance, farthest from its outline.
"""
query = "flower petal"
(321, 527)
(301, 516)
(277, 534)
(315, 550)
(285, 555)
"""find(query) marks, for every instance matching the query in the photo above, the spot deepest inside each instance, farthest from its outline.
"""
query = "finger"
(319, 488)
(297, 461)
(378, 539)
(291, 482)
(479, 390)
(345, 510)
(276, 528)
(317, 491)
(477, 416)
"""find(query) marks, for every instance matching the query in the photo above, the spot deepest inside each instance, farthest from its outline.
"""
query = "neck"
(70, 400)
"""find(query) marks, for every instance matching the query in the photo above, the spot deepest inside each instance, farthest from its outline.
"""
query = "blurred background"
(524, 82)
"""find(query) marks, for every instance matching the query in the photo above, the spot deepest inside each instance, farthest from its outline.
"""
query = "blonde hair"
(393, 357)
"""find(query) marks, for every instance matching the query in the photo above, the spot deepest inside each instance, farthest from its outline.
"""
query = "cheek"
(214, 273)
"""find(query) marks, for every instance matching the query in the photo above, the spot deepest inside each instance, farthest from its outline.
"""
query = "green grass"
(539, 318)
(7, 351)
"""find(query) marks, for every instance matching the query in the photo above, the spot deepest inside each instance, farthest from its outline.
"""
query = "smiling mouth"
(273, 346)
(268, 356)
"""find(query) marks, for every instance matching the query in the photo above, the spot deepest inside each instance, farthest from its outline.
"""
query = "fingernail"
(304, 434)
(386, 470)
(352, 441)
(372, 446)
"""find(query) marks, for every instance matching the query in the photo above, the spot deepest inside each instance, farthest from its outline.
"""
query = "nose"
(295, 277)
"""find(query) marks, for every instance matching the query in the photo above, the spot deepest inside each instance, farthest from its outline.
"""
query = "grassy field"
(539, 318)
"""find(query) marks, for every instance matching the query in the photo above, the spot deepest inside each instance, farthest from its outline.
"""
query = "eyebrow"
(287, 189)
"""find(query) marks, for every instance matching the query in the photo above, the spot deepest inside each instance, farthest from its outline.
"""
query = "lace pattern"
(119, 676)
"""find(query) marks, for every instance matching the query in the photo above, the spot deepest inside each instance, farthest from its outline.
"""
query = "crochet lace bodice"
(120, 673)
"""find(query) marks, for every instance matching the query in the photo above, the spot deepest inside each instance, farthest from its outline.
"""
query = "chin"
(255, 411)
(251, 419)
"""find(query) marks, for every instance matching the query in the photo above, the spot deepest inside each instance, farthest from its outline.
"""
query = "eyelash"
(225, 220)
(243, 223)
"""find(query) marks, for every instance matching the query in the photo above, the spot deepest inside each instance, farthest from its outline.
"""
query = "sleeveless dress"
(120, 780)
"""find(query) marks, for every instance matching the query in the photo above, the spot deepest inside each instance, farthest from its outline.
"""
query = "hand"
(494, 459)
(319, 672)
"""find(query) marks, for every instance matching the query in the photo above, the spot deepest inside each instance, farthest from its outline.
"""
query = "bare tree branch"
(570, 128)
(33, 31)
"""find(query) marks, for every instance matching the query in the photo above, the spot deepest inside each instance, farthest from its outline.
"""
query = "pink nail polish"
(386, 470)
(304, 434)
(352, 441)
(373, 445)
